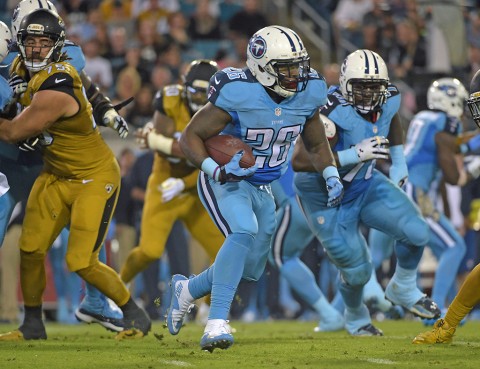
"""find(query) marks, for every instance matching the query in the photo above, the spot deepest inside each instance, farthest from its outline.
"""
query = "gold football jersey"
(175, 107)
(72, 147)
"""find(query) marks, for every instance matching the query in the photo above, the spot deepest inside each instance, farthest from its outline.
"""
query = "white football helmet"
(448, 95)
(25, 7)
(277, 58)
(364, 80)
(5, 40)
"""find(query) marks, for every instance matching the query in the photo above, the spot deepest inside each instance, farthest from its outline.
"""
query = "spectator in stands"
(347, 21)
(117, 51)
(204, 23)
(142, 110)
(248, 20)
(98, 68)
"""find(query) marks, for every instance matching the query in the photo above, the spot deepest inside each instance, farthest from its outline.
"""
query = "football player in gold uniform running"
(79, 183)
(172, 187)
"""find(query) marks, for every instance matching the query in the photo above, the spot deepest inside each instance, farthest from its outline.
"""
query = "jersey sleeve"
(75, 55)
(158, 102)
(6, 93)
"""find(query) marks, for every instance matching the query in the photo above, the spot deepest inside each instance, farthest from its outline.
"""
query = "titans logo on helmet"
(258, 47)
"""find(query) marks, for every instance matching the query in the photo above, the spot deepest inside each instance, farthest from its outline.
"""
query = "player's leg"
(99, 202)
(462, 304)
(389, 209)
(449, 247)
(292, 236)
(157, 222)
(339, 233)
(96, 308)
(45, 217)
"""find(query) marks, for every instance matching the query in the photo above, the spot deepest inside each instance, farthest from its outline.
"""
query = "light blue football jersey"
(421, 149)
(352, 128)
(270, 128)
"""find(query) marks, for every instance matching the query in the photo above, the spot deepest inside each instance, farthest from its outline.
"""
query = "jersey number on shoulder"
(58, 67)
(265, 140)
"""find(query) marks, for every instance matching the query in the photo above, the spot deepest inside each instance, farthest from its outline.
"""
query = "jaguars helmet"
(448, 95)
(473, 101)
(25, 7)
(277, 58)
(364, 80)
(41, 22)
(5, 40)
(196, 80)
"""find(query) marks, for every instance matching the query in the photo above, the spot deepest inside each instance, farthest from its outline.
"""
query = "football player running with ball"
(171, 193)
(79, 183)
(364, 109)
(267, 105)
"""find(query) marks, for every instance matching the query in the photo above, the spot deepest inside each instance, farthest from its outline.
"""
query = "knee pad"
(416, 231)
(357, 276)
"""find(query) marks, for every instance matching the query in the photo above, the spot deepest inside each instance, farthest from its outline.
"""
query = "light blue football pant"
(382, 205)
(245, 214)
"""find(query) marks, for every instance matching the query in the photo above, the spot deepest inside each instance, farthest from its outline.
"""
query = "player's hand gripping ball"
(222, 148)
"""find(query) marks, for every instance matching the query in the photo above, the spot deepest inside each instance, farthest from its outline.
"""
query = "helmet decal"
(258, 47)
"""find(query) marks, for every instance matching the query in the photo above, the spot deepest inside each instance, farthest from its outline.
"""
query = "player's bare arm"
(207, 122)
(316, 146)
(46, 108)
(446, 148)
(396, 134)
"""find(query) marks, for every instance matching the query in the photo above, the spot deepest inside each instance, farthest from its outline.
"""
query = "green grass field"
(279, 344)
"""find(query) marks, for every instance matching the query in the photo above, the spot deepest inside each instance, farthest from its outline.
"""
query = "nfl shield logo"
(278, 111)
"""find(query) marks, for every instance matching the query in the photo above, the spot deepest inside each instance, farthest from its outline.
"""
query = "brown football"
(222, 148)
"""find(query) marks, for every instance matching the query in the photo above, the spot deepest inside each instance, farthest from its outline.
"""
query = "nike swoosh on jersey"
(216, 80)
(60, 80)
(84, 181)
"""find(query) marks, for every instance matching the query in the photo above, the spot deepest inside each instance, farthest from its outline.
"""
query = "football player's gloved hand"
(335, 191)
(141, 135)
(373, 148)
(30, 144)
(473, 167)
(18, 85)
(115, 121)
(232, 172)
(171, 188)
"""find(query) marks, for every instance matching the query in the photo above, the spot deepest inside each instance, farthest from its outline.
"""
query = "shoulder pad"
(452, 125)
(224, 77)
(334, 99)
(392, 90)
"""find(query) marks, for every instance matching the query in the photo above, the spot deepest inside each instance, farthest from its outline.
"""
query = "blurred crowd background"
(136, 47)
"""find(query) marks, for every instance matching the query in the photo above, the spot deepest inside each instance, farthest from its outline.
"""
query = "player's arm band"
(330, 171)
(100, 103)
(210, 167)
(348, 157)
(160, 142)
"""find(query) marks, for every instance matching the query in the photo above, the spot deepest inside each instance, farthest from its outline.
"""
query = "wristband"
(397, 156)
(210, 167)
(160, 142)
(330, 171)
(348, 157)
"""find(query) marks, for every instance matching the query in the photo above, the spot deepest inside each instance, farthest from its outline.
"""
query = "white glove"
(171, 188)
(473, 167)
(115, 121)
(142, 133)
(373, 148)
(18, 85)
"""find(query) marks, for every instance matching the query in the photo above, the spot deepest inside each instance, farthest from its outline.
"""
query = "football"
(222, 148)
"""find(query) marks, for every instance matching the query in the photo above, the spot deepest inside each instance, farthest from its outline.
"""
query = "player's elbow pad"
(100, 103)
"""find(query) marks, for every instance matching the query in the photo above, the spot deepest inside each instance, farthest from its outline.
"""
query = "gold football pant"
(157, 222)
(87, 207)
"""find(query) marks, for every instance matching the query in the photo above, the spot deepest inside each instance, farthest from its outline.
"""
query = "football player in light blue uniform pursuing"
(292, 235)
(267, 105)
(432, 144)
(364, 109)
(23, 164)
